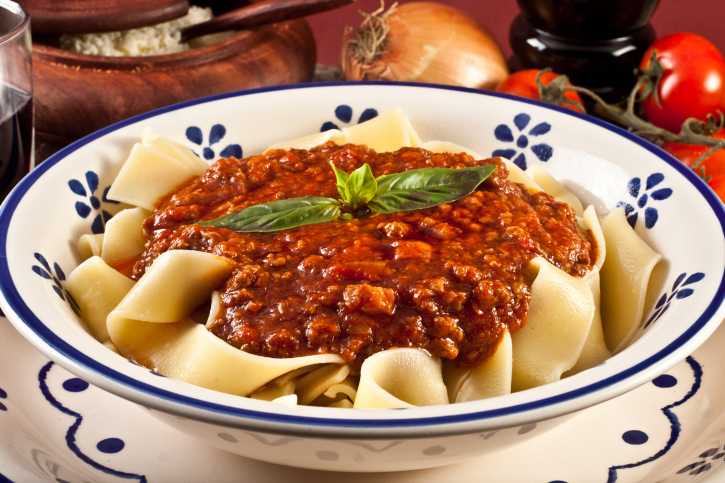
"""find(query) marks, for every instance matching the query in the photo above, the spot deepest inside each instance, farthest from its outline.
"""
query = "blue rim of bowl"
(78, 359)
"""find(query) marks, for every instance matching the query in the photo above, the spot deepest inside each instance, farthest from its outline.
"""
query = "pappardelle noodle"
(512, 285)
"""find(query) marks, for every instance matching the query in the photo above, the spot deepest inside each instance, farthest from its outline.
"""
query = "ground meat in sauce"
(448, 279)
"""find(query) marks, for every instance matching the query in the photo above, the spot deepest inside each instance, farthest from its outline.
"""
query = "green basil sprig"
(410, 190)
(279, 215)
(425, 188)
(356, 188)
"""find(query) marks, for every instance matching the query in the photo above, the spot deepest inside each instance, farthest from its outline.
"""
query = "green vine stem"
(693, 131)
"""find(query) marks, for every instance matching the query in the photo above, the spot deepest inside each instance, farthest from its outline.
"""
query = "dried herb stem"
(368, 44)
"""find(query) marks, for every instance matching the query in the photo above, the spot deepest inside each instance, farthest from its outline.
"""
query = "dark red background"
(703, 17)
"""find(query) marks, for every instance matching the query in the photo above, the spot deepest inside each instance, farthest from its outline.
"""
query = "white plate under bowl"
(669, 206)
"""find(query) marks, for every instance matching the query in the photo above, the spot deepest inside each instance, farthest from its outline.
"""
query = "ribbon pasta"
(387, 132)
(97, 289)
(489, 379)
(152, 326)
(401, 378)
(560, 317)
(123, 240)
(624, 280)
(155, 322)
(153, 169)
(90, 245)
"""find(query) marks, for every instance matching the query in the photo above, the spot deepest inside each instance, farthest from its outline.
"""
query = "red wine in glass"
(16, 137)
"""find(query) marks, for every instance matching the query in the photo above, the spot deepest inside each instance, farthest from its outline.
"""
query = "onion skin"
(433, 43)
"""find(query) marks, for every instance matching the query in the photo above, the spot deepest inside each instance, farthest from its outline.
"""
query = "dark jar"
(597, 43)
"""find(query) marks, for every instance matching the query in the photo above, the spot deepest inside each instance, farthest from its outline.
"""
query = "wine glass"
(16, 96)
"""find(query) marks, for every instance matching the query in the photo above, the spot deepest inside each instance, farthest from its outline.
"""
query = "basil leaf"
(424, 188)
(342, 178)
(360, 187)
(279, 215)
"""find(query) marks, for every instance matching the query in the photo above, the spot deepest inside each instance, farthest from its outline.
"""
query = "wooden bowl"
(77, 94)
(83, 16)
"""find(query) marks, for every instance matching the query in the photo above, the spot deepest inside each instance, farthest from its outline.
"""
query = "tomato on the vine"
(711, 169)
(688, 154)
(523, 83)
(692, 83)
(717, 184)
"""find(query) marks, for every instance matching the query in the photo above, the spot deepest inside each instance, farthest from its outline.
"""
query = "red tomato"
(688, 154)
(714, 165)
(693, 82)
(717, 184)
(523, 83)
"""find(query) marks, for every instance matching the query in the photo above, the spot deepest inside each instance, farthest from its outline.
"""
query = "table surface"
(702, 17)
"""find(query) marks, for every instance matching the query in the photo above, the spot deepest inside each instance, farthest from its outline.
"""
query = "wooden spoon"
(261, 13)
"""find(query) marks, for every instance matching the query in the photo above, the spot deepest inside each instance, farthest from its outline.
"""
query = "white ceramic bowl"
(670, 207)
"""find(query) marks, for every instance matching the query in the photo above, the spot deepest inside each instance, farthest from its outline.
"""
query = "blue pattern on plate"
(638, 437)
(344, 114)
(505, 134)
(57, 276)
(108, 446)
(678, 292)
(85, 207)
(216, 134)
(705, 463)
(642, 197)
(635, 437)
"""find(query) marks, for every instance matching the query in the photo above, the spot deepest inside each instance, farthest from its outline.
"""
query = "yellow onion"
(423, 42)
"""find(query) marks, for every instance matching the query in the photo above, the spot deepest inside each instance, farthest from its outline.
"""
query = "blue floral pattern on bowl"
(57, 276)
(91, 202)
(642, 197)
(216, 134)
(506, 134)
(680, 290)
(344, 114)
(106, 446)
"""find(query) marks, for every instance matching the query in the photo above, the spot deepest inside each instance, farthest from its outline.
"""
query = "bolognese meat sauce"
(447, 279)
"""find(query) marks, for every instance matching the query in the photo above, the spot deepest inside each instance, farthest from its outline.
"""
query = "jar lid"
(91, 16)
